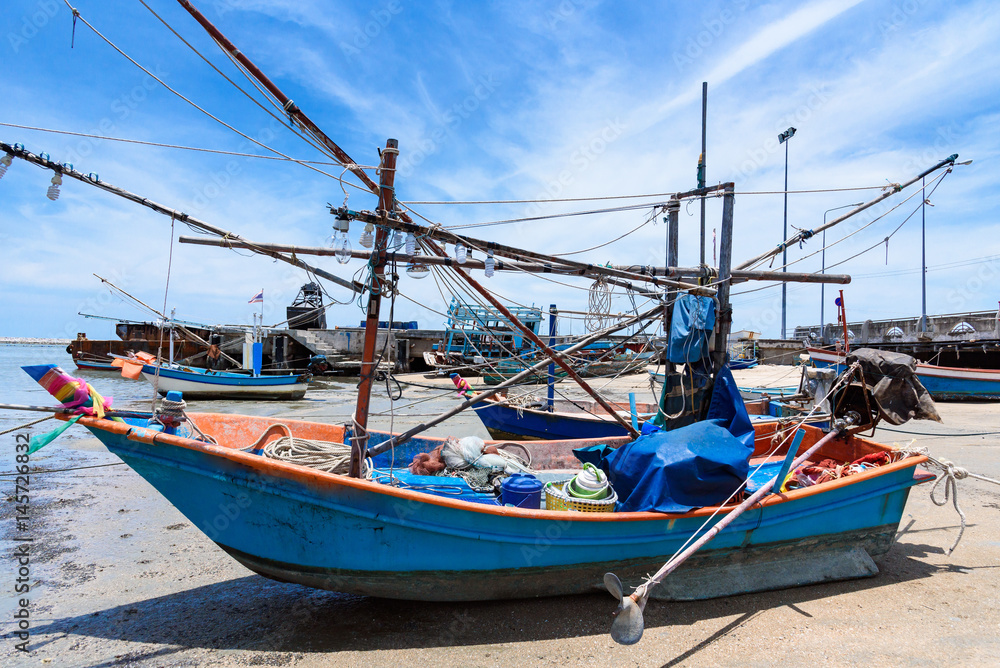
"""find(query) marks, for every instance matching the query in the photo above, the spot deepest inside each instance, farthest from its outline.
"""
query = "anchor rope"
(25, 426)
(950, 475)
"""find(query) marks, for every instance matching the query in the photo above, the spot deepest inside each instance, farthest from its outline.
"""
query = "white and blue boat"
(943, 382)
(207, 384)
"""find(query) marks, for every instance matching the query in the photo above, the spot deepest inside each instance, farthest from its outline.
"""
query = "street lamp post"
(822, 286)
(923, 255)
(783, 139)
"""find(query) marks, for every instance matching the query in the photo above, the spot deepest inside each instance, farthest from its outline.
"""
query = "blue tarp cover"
(691, 323)
(690, 467)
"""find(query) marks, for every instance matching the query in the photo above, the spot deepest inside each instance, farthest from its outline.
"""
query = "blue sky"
(504, 100)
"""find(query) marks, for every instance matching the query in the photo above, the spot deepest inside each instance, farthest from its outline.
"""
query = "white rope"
(599, 305)
(950, 475)
(327, 456)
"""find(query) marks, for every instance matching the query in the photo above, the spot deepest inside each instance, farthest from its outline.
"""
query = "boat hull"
(943, 383)
(95, 366)
(355, 536)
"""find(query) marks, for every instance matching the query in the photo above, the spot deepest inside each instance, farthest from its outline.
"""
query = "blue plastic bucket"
(522, 491)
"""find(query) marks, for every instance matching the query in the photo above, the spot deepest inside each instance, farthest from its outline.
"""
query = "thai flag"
(257, 298)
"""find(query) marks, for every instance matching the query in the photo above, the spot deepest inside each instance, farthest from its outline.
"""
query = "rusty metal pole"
(386, 205)
(541, 345)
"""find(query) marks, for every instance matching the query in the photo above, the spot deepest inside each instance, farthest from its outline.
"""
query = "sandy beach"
(121, 578)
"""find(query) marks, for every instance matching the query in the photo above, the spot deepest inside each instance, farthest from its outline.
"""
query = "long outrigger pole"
(802, 235)
(293, 111)
(91, 179)
(530, 268)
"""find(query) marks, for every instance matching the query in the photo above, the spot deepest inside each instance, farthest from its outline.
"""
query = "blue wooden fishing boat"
(412, 541)
(207, 384)
(742, 363)
(944, 383)
(94, 366)
(570, 419)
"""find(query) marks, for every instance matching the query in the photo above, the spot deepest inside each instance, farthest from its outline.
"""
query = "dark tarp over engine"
(894, 383)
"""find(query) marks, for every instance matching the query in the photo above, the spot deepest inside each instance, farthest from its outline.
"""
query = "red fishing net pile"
(829, 469)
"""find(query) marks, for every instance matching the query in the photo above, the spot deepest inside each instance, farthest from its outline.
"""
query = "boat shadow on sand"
(256, 614)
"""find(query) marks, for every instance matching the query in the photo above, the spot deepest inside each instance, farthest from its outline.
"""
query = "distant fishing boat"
(586, 419)
(94, 365)
(944, 383)
(208, 384)
(477, 335)
(754, 393)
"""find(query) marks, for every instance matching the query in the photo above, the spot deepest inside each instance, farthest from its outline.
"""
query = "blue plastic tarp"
(675, 471)
(697, 465)
(691, 323)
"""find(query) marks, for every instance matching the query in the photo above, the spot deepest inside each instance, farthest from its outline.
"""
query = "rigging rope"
(177, 146)
(25, 426)
(950, 475)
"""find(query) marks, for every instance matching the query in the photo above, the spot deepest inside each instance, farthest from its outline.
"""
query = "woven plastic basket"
(556, 498)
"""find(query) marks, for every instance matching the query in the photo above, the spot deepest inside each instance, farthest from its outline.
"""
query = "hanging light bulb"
(397, 240)
(341, 243)
(367, 239)
(417, 270)
(343, 249)
(5, 163)
(461, 252)
(411, 243)
(490, 265)
(53, 192)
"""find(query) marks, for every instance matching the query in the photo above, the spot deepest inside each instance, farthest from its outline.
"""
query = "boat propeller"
(628, 625)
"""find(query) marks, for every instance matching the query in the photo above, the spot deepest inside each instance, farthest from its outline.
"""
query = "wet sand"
(121, 578)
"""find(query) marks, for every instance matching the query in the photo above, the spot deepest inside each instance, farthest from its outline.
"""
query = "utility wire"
(177, 146)
(76, 14)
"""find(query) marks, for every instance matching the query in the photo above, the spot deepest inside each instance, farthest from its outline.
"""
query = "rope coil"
(950, 475)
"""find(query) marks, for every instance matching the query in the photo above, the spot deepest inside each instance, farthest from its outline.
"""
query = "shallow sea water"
(329, 399)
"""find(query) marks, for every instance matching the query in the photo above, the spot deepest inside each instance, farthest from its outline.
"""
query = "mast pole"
(923, 256)
(725, 317)
(386, 205)
(673, 231)
(702, 162)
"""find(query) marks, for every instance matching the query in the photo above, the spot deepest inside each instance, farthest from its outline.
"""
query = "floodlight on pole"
(783, 139)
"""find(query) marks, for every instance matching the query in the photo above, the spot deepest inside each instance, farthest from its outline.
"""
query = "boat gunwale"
(297, 472)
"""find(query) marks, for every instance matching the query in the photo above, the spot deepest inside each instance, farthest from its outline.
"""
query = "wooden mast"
(386, 206)
(724, 317)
